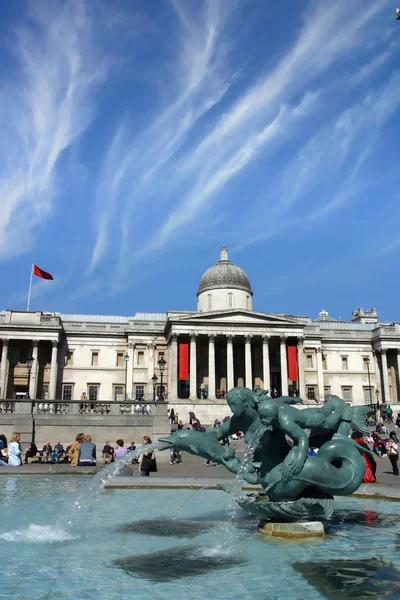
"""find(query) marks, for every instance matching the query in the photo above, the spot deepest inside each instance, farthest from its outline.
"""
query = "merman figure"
(335, 415)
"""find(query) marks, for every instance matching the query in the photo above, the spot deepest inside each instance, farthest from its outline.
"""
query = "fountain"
(296, 487)
(62, 539)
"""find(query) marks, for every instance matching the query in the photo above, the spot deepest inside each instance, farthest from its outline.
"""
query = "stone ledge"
(309, 529)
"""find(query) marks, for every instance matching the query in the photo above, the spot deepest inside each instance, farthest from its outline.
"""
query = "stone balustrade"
(56, 420)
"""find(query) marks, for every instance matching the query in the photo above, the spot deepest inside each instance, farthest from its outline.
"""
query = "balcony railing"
(7, 407)
(58, 407)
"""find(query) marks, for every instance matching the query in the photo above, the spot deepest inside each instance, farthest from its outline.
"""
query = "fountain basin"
(168, 543)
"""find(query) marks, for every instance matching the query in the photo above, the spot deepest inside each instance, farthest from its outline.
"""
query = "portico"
(231, 348)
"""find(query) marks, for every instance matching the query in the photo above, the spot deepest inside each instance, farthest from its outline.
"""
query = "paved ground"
(191, 467)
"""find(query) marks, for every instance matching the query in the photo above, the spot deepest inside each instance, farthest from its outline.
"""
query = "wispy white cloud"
(329, 32)
(200, 80)
(45, 107)
(337, 152)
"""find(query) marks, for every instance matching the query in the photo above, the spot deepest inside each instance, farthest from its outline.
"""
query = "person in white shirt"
(14, 451)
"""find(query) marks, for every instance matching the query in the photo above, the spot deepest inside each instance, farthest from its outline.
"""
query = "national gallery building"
(222, 344)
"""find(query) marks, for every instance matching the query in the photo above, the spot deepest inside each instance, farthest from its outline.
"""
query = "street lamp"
(369, 381)
(154, 380)
(161, 365)
(29, 363)
(126, 359)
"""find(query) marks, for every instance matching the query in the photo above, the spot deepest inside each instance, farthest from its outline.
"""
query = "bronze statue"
(295, 484)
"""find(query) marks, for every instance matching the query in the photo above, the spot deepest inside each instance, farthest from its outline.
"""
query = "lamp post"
(154, 380)
(29, 363)
(369, 381)
(161, 365)
(126, 359)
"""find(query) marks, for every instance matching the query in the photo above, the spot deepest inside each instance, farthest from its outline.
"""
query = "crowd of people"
(81, 453)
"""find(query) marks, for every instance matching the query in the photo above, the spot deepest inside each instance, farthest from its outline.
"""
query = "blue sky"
(138, 137)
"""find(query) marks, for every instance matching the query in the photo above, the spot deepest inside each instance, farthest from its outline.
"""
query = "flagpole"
(30, 289)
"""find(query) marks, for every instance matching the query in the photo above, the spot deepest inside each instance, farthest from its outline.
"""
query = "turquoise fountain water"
(63, 537)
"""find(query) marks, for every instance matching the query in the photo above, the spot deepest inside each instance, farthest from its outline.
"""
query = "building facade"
(224, 343)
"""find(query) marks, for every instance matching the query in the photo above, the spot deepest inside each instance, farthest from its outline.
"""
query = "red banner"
(292, 362)
(183, 362)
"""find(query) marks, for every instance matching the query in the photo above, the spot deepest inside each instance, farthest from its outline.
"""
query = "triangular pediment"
(238, 316)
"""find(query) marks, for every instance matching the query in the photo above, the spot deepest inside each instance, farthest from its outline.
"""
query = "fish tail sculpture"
(338, 469)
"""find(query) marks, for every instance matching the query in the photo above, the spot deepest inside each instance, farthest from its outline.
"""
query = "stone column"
(150, 368)
(3, 368)
(211, 366)
(398, 374)
(377, 373)
(385, 376)
(265, 359)
(300, 366)
(193, 368)
(247, 362)
(230, 376)
(129, 371)
(32, 386)
(53, 370)
(173, 365)
(284, 374)
(320, 375)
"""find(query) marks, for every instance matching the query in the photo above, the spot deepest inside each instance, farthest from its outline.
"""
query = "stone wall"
(63, 421)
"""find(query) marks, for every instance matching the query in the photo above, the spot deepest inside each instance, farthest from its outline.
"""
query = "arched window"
(209, 302)
(230, 300)
(248, 302)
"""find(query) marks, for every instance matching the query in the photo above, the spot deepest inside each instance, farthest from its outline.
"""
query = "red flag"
(41, 273)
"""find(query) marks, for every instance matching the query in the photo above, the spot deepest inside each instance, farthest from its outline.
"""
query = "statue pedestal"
(307, 529)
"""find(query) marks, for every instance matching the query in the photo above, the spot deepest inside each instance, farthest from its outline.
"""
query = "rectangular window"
(67, 392)
(310, 391)
(119, 393)
(139, 392)
(344, 363)
(140, 358)
(324, 367)
(365, 363)
(93, 393)
(45, 392)
(347, 394)
(120, 359)
(95, 359)
(309, 361)
(70, 358)
(367, 395)
(327, 390)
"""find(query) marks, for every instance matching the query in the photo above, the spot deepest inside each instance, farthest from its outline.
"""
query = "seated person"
(31, 451)
(57, 452)
(3, 450)
(380, 428)
(107, 454)
(87, 453)
(46, 451)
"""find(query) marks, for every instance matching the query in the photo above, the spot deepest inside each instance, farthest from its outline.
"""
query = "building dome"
(224, 275)
(230, 285)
